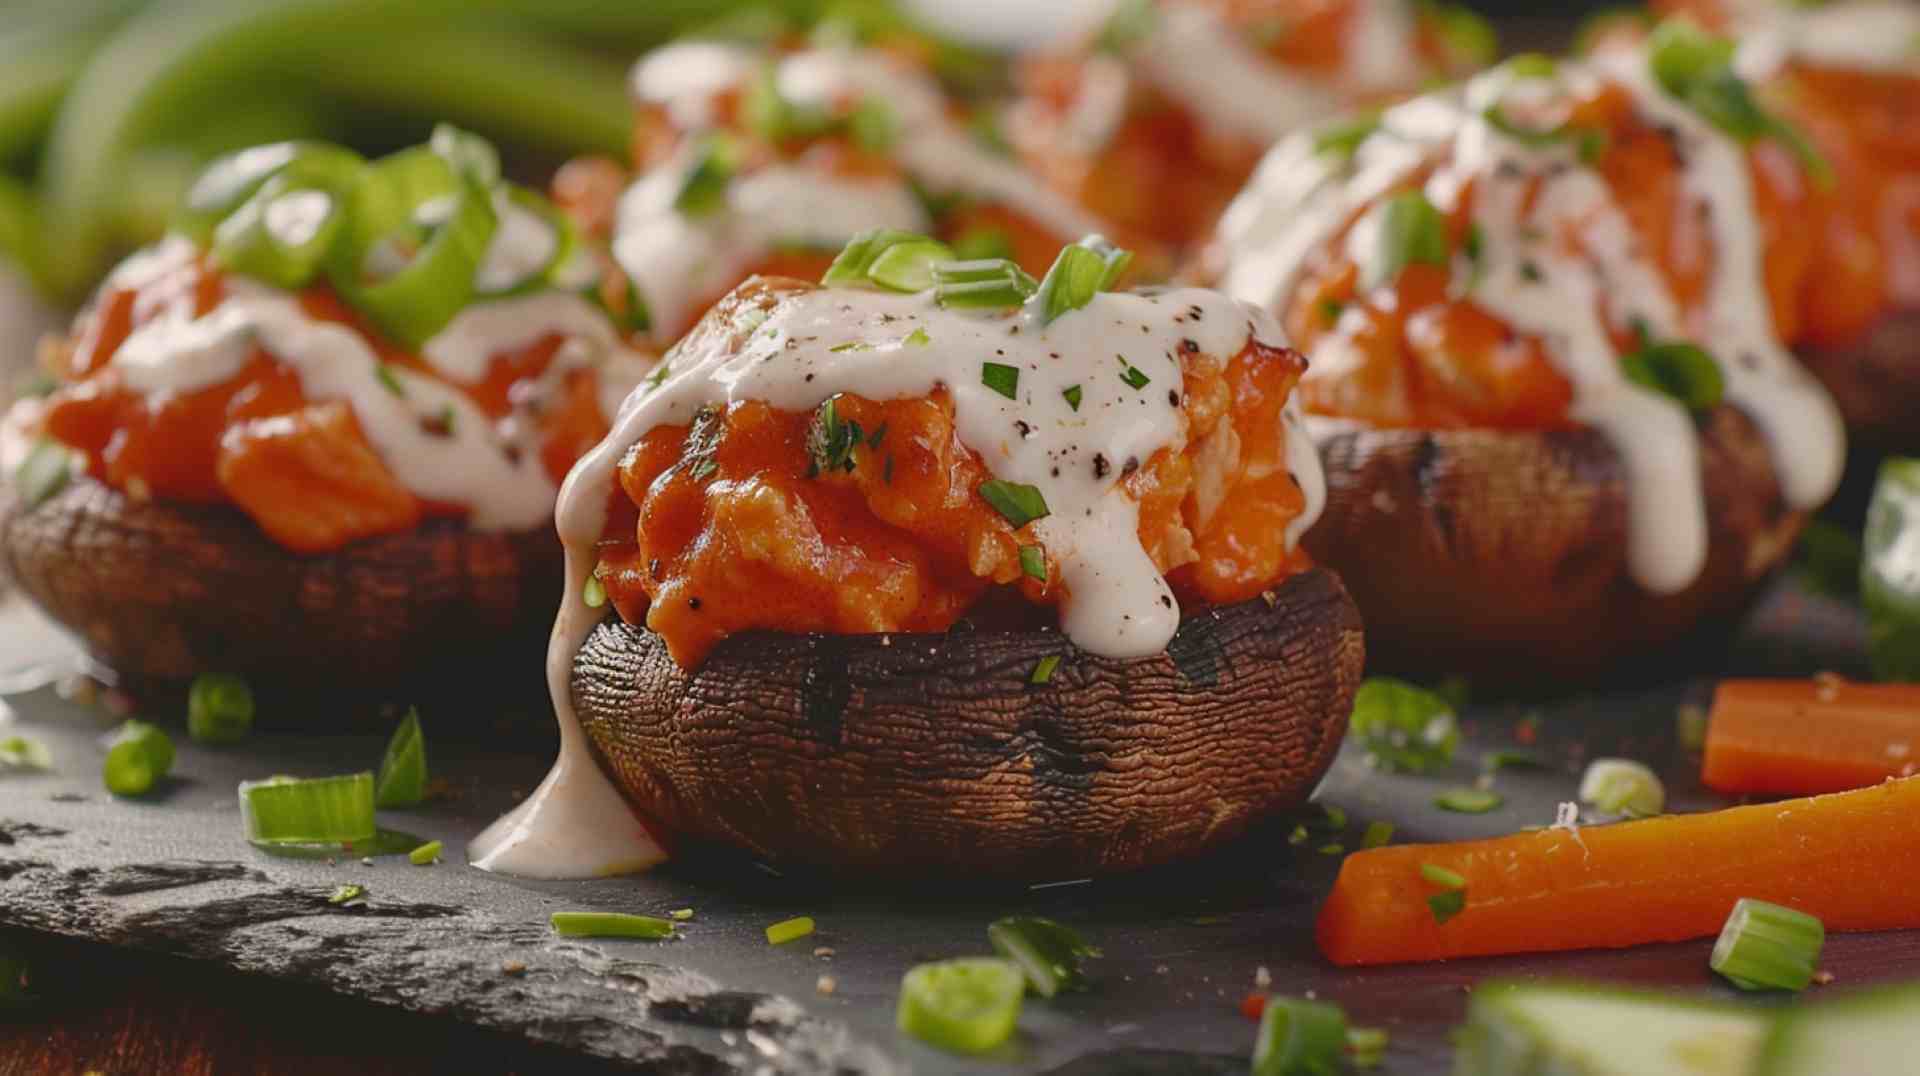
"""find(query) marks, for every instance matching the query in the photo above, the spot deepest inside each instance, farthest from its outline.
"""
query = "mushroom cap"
(935, 754)
(163, 590)
(1876, 382)
(1502, 555)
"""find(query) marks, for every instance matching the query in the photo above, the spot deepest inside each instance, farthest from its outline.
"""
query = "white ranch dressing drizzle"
(795, 359)
(493, 469)
(679, 263)
(1867, 35)
(1300, 201)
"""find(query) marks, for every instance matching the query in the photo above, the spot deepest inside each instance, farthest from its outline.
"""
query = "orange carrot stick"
(1852, 859)
(1800, 737)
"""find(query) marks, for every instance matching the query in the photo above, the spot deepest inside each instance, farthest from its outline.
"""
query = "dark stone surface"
(171, 874)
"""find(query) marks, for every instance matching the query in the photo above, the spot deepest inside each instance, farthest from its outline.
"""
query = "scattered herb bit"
(1332, 848)
(1001, 378)
(1468, 37)
(1889, 584)
(1410, 231)
(1132, 22)
(426, 854)
(1534, 65)
(703, 191)
(1018, 503)
(1366, 1046)
(1044, 669)
(1299, 1038)
(831, 441)
(658, 376)
(388, 379)
(1590, 144)
(26, 753)
(44, 472)
(1378, 835)
(1468, 800)
(1446, 904)
(680, 914)
(878, 435)
(873, 125)
(1623, 787)
(769, 114)
(982, 284)
(1081, 271)
(1690, 726)
(1343, 138)
(1330, 311)
(851, 345)
(1403, 727)
(1336, 816)
(347, 894)
(1046, 952)
(967, 1006)
(1697, 68)
(789, 930)
(1072, 395)
(1132, 375)
(138, 755)
(403, 769)
(318, 810)
(1768, 947)
(219, 708)
(1033, 562)
(610, 925)
(1683, 371)
(918, 338)
(1442, 877)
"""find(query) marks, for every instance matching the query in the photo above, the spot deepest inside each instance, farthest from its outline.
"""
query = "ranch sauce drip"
(1300, 201)
(797, 358)
(680, 262)
(492, 468)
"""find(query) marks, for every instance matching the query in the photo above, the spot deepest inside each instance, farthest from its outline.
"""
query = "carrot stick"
(1852, 859)
(1799, 737)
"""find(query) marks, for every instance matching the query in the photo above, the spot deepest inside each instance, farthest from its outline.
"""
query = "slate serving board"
(1183, 946)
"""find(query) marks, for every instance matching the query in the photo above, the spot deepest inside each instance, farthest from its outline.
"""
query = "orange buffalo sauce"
(730, 524)
(302, 469)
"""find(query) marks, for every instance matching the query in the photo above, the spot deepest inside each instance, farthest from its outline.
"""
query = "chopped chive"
(789, 930)
(1411, 231)
(968, 1006)
(1033, 562)
(1442, 877)
(1072, 395)
(680, 914)
(1018, 503)
(980, 284)
(1623, 786)
(44, 472)
(1404, 727)
(219, 708)
(1675, 368)
(347, 894)
(1046, 952)
(1043, 671)
(703, 191)
(1001, 378)
(137, 757)
(1468, 800)
(1445, 905)
(831, 441)
(854, 264)
(908, 266)
(1299, 1038)
(918, 338)
(1342, 138)
(852, 345)
(658, 376)
(610, 925)
(1135, 379)
(1332, 848)
(24, 752)
(403, 770)
(879, 434)
(318, 810)
(425, 854)
(1377, 835)
(1081, 271)
(389, 380)
(594, 593)
(1768, 947)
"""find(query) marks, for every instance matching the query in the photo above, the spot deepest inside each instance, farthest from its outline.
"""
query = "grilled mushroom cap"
(939, 754)
(1876, 382)
(161, 591)
(1502, 555)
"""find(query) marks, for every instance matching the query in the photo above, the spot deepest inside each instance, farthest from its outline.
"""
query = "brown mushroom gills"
(162, 591)
(936, 754)
(1502, 555)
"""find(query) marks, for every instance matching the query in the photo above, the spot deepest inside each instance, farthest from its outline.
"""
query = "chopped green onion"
(319, 810)
(44, 472)
(1690, 726)
(1590, 143)
(1468, 800)
(851, 345)
(1366, 1044)
(138, 756)
(918, 338)
(403, 769)
(1623, 786)
(1072, 395)
(1017, 502)
(1683, 371)
(425, 854)
(233, 180)
(471, 156)
(1081, 271)
(282, 235)
(854, 265)
(1343, 138)
(908, 266)
(389, 380)
(1442, 877)
(1377, 835)
(219, 708)
(976, 244)
(788, 930)
(1889, 583)
(1033, 562)
(1404, 727)
(980, 284)
(610, 925)
(1332, 848)
(1299, 1038)
(24, 752)
(681, 914)
(1696, 68)
(1135, 378)
(347, 893)
(1001, 378)
(1046, 952)
(594, 592)
(703, 191)
(768, 113)
(1410, 231)
(1447, 904)
(1768, 947)
(1044, 669)
(873, 125)
(967, 1006)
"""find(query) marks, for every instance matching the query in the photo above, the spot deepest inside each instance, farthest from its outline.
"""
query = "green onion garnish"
(25, 753)
(1404, 727)
(389, 380)
(908, 266)
(1001, 378)
(1377, 835)
(1623, 786)
(231, 181)
(1411, 231)
(1299, 1038)
(1072, 395)
(425, 854)
(319, 810)
(138, 755)
(1134, 377)
(1342, 138)
(1468, 800)
(1442, 877)
(1590, 143)
(703, 191)
(851, 345)
(347, 893)
(219, 708)
(610, 925)
(918, 338)
(1017, 502)
(1697, 68)
(283, 234)
(968, 1006)
(1081, 271)
(788, 930)
(981, 284)
(1683, 371)
(976, 244)
(44, 472)
(680, 914)
(1047, 953)
(1033, 562)
(403, 770)
(1044, 669)
(1366, 1044)
(1768, 947)
(1469, 38)
(873, 125)
(768, 113)
(853, 266)
(1690, 727)
(1447, 904)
